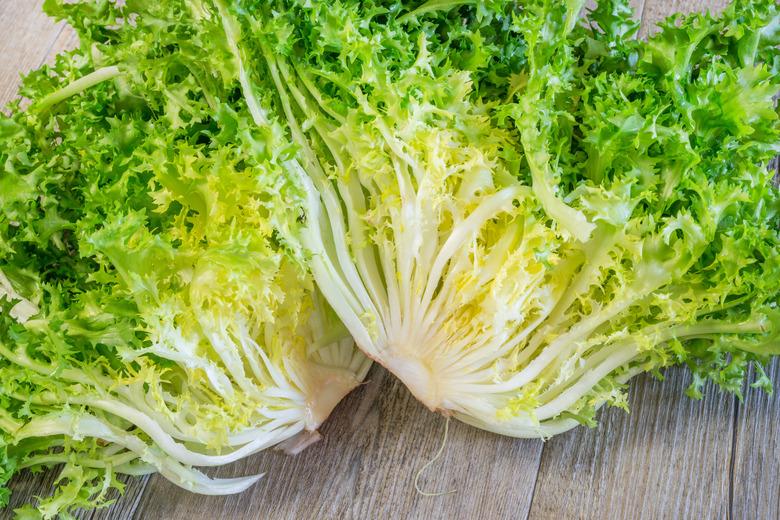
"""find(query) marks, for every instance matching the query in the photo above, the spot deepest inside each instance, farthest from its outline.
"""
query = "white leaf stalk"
(496, 302)
(241, 352)
(203, 412)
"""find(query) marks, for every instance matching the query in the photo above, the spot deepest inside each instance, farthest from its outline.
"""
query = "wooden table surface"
(671, 457)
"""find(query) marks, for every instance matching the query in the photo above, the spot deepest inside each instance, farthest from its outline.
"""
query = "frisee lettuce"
(152, 317)
(513, 209)
(515, 249)
(516, 239)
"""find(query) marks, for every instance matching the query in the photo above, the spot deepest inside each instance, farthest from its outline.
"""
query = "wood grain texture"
(755, 482)
(653, 11)
(365, 465)
(670, 458)
(26, 37)
(27, 486)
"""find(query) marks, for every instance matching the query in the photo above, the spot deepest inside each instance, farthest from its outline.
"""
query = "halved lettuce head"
(515, 211)
(151, 316)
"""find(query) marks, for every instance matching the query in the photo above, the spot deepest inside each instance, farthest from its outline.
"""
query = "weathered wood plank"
(653, 11)
(365, 465)
(27, 36)
(668, 458)
(27, 486)
(126, 505)
(756, 478)
(67, 39)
